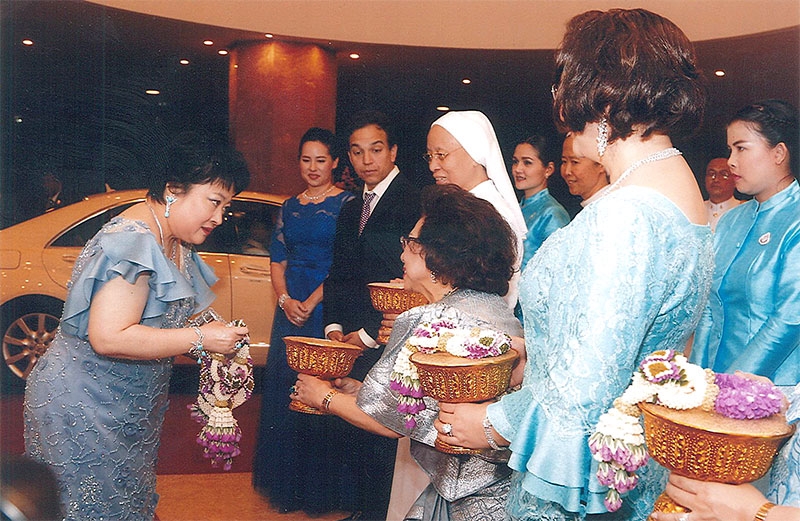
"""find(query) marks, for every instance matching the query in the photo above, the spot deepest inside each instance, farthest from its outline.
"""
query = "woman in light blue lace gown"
(95, 402)
(629, 275)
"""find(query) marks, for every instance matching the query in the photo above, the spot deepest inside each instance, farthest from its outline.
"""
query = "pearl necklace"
(652, 158)
(161, 234)
(317, 197)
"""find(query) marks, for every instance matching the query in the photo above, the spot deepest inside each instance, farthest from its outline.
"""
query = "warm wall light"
(442, 108)
(466, 81)
(719, 72)
(355, 55)
(27, 41)
(208, 42)
(269, 35)
(184, 62)
(222, 52)
(152, 92)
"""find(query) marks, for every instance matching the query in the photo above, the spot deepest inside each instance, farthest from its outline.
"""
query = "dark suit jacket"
(372, 257)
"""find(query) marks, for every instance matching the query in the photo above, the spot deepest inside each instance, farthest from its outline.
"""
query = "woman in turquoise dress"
(629, 275)
(751, 322)
(95, 401)
(286, 467)
(532, 164)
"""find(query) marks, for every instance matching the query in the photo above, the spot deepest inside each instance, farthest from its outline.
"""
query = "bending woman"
(460, 255)
(95, 402)
(629, 275)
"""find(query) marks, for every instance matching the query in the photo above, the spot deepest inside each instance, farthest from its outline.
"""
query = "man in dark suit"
(367, 249)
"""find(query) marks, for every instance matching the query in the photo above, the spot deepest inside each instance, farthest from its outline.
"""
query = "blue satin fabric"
(629, 275)
(752, 322)
(543, 215)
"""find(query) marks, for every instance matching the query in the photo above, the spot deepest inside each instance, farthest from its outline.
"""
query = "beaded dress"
(463, 487)
(96, 420)
(628, 276)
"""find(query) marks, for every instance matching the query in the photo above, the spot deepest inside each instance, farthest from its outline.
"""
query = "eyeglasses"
(718, 175)
(439, 156)
(412, 243)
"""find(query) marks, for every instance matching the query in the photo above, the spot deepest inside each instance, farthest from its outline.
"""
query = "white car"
(37, 255)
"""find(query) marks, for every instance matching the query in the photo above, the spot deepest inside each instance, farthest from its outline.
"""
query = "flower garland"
(440, 335)
(225, 383)
(667, 378)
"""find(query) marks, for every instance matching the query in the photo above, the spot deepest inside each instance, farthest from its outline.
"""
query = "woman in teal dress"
(752, 320)
(532, 164)
(286, 467)
(95, 401)
(629, 275)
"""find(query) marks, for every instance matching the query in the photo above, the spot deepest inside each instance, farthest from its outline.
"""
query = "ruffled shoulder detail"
(127, 248)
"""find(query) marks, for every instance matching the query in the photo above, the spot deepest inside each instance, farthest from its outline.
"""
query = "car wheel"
(28, 328)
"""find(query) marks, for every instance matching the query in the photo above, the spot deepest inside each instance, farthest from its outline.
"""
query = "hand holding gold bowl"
(707, 446)
(454, 379)
(390, 298)
(326, 359)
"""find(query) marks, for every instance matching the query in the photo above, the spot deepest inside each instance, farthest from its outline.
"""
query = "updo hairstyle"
(777, 122)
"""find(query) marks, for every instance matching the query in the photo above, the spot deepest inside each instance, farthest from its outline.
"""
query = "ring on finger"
(447, 429)
(293, 389)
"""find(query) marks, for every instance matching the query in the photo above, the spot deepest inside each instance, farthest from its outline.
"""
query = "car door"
(244, 290)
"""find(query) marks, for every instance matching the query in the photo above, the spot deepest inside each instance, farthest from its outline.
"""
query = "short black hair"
(366, 118)
(545, 148)
(194, 159)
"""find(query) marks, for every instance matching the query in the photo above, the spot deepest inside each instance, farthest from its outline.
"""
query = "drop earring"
(170, 199)
(433, 277)
(602, 136)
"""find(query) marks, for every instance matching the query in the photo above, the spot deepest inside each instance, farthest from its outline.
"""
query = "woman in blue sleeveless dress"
(95, 402)
(293, 450)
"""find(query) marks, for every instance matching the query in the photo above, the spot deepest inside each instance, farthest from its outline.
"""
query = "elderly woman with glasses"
(460, 255)
(463, 150)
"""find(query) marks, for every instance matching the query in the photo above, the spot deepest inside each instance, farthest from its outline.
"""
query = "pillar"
(277, 90)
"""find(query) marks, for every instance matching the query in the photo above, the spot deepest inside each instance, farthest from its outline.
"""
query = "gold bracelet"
(761, 515)
(326, 402)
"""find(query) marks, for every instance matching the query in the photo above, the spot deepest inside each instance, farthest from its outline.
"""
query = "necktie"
(365, 211)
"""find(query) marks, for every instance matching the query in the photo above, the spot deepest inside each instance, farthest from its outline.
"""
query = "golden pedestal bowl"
(453, 379)
(391, 298)
(710, 447)
(319, 357)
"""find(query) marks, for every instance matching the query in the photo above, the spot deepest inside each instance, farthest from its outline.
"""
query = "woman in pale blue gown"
(751, 322)
(629, 275)
(286, 467)
(95, 401)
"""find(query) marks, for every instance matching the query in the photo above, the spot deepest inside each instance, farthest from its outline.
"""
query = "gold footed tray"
(319, 357)
(453, 379)
(710, 447)
(391, 298)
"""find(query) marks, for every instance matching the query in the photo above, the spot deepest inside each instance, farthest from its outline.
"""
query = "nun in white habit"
(463, 150)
